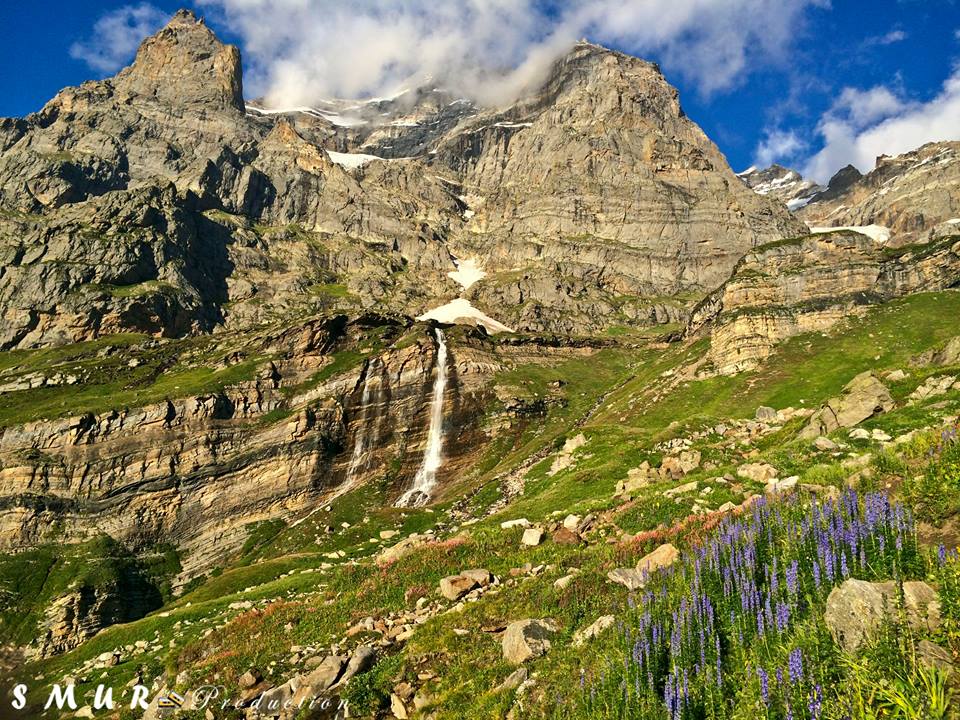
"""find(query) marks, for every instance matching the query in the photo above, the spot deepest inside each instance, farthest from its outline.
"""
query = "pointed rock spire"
(185, 63)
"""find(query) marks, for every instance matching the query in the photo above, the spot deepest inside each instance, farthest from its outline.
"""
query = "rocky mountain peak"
(782, 183)
(185, 63)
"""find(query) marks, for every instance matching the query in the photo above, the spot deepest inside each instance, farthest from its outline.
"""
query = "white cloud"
(778, 146)
(116, 35)
(894, 36)
(863, 125)
(298, 51)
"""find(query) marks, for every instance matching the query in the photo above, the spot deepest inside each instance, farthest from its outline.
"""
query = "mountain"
(403, 402)
(912, 194)
(782, 183)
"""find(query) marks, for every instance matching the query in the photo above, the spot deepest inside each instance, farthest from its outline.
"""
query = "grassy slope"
(321, 603)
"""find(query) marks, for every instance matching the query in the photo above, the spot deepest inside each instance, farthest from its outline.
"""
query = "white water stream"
(360, 442)
(426, 478)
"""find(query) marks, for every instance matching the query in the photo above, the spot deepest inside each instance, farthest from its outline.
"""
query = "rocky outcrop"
(79, 615)
(861, 398)
(809, 284)
(911, 194)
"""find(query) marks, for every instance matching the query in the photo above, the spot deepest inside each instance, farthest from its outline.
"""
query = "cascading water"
(426, 477)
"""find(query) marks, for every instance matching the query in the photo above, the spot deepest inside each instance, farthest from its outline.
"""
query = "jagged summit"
(780, 182)
(911, 194)
(185, 62)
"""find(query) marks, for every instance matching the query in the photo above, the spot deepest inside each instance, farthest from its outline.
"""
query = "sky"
(811, 84)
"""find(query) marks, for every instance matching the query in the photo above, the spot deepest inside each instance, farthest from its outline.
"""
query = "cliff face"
(807, 284)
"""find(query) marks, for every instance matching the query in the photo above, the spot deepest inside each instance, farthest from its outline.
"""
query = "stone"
(249, 678)
(766, 414)
(514, 679)
(519, 522)
(859, 434)
(361, 661)
(397, 707)
(856, 610)
(532, 537)
(571, 522)
(932, 656)
(896, 375)
(780, 487)
(825, 444)
(630, 578)
(862, 398)
(664, 556)
(481, 576)
(932, 387)
(388, 534)
(563, 536)
(454, 587)
(727, 507)
(272, 701)
(681, 489)
(564, 582)
(758, 472)
(524, 640)
(581, 637)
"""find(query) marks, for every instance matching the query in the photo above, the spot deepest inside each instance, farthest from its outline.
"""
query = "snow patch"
(751, 169)
(461, 312)
(351, 160)
(877, 233)
(467, 273)
(798, 203)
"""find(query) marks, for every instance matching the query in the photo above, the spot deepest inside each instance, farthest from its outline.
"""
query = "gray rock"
(326, 673)
(766, 414)
(526, 639)
(455, 587)
(861, 398)
(581, 637)
(856, 609)
(630, 578)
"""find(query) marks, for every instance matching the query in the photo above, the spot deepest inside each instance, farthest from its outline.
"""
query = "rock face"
(779, 182)
(810, 283)
(912, 194)
(861, 398)
(525, 640)
(81, 614)
(856, 610)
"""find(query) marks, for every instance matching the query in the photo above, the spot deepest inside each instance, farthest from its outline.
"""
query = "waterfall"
(426, 477)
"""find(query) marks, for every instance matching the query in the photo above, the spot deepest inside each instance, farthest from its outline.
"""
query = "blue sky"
(810, 83)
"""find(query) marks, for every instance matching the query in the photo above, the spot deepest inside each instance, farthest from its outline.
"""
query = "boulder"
(481, 576)
(681, 489)
(526, 639)
(628, 577)
(361, 661)
(825, 444)
(758, 472)
(662, 557)
(519, 522)
(454, 587)
(571, 522)
(563, 536)
(933, 387)
(514, 679)
(933, 656)
(856, 609)
(779, 487)
(326, 674)
(580, 637)
(766, 414)
(532, 537)
(861, 398)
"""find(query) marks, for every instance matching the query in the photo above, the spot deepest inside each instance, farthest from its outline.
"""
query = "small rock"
(766, 414)
(455, 587)
(602, 623)
(758, 472)
(825, 444)
(250, 678)
(397, 708)
(681, 489)
(514, 679)
(519, 522)
(859, 434)
(630, 578)
(563, 536)
(532, 537)
(571, 522)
